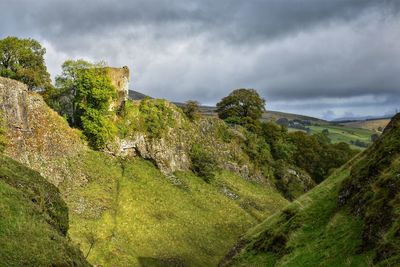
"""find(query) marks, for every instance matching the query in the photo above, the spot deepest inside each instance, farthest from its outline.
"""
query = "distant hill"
(269, 115)
(135, 95)
(374, 125)
(362, 118)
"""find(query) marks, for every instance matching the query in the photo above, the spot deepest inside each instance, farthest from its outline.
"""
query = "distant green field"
(340, 133)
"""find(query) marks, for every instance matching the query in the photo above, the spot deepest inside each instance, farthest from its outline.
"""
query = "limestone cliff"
(42, 140)
(170, 150)
(38, 136)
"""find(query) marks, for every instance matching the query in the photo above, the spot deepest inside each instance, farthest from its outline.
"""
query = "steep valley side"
(125, 210)
(351, 219)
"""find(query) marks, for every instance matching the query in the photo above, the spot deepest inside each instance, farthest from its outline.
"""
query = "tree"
(62, 98)
(22, 60)
(94, 93)
(192, 110)
(241, 103)
(83, 94)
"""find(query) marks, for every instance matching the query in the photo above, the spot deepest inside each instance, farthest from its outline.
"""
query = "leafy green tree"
(257, 149)
(94, 93)
(63, 98)
(94, 90)
(276, 136)
(307, 154)
(83, 94)
(315, 154)
(241, 103)
(97, 128)
(23, 60)
(192, 110)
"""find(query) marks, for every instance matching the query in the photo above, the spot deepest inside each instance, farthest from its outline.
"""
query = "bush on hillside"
(157, 116)
(204, 163)
(257, 149)
(192, 110)
(97, 128)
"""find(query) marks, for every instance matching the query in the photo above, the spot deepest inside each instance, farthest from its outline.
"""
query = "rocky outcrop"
(291, 181)
(170, 151)
(168, 156)
(38, 136)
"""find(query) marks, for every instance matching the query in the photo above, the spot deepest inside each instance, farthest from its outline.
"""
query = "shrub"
(257, 149)
(157, 116)
(97, 128)
(192, 110)
(224, 133)
(204, 163)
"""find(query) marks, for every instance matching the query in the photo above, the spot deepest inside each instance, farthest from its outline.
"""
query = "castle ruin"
(120, 80)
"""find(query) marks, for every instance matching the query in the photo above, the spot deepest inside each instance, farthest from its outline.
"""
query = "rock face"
(170, 151)
(36, 133)
(291, 181)
(168, 156)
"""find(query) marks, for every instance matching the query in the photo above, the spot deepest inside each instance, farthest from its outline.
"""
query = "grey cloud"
(239, 20)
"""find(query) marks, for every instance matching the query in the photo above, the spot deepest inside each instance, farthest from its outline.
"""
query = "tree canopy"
(63, 98)
(83, 94)
(240, 104)
(23, 60)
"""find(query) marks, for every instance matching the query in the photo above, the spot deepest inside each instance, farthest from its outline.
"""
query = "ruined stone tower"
(120, 80)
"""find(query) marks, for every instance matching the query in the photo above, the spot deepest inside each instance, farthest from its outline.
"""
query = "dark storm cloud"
(302, 55)
(237, 19)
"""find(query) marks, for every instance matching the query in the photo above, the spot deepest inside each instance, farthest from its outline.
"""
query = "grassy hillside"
(138, 201)
(351, 219)
(130, 214)
(33, 221)
(374, 125)
(356, 137)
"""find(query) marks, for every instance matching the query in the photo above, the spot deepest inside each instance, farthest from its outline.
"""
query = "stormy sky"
(325, 58)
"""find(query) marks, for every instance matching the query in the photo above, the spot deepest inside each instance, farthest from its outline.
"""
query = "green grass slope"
(357, 138)
(33, 220)
(130, 214)
(351, 219)
(347, 134)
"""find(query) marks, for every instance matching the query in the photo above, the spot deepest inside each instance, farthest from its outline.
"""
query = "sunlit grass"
(136, 216)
